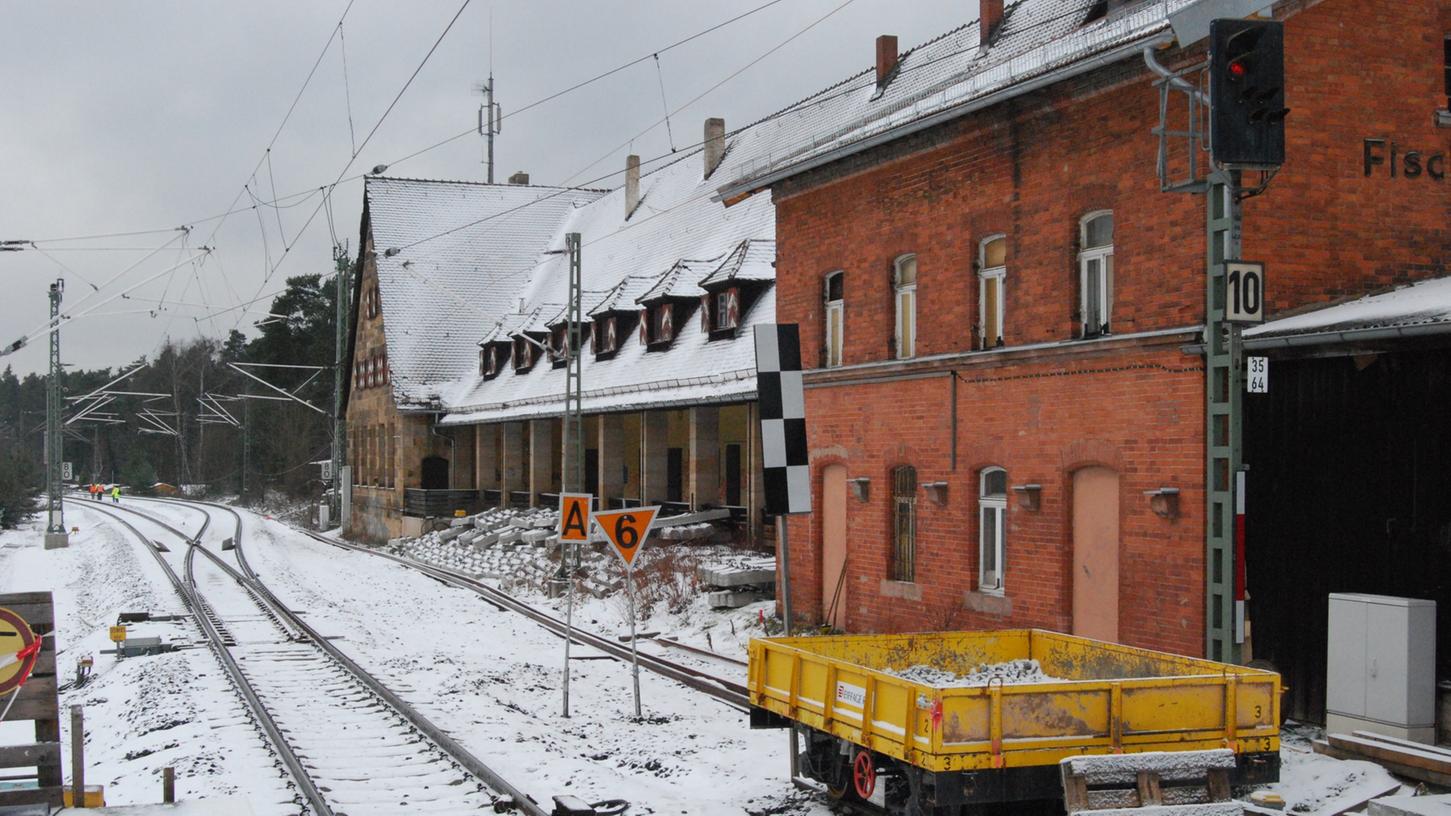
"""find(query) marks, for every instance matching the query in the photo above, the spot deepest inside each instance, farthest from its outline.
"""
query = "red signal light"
(1237, 70)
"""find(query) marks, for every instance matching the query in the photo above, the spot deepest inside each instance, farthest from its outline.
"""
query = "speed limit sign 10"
(1244, 292)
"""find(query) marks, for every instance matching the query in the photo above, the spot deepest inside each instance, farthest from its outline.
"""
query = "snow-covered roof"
(682, 281)
(753, 260)
(944, 77)
(1424, 304)
(439, 297)
(657, 250)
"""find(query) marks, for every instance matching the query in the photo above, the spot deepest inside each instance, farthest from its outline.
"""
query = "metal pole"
(634, 646)
(489, 92)
(54, 449)
(1224, 421)
(573, 432)
(78, 757)
(340, 354)
(783, 540)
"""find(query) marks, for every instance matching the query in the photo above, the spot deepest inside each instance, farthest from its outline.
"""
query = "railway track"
(727, 691)
(351, 745)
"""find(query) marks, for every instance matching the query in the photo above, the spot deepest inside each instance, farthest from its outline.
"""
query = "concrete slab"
(222, 806)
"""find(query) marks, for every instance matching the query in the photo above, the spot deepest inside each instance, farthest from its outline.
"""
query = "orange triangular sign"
(574, 516)
(626, 530)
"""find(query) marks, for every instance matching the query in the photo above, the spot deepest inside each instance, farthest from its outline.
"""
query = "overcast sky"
(119, 117)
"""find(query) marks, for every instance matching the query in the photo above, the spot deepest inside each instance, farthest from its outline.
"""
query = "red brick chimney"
(989, 20)
(886, 57)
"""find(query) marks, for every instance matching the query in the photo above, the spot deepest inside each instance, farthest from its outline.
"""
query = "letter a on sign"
(626, 529)
(574, 516)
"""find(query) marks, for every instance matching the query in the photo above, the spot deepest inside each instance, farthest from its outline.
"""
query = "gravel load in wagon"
(1004, 705)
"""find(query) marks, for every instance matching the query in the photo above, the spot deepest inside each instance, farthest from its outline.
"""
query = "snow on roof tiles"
(653, 250)
(437, 304)
(1036, 38)
(752, 260)
(1419, 304)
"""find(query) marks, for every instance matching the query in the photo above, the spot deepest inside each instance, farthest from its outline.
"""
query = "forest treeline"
(278, 441)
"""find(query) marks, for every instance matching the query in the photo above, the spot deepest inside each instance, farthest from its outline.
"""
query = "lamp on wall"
(860, 487)
(1164, 501)
(1030, 496)
(936, 491)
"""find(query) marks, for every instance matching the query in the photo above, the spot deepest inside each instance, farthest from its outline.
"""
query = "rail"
(253, 584)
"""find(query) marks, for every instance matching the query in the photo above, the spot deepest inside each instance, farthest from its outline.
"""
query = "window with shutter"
(834, 315)
(904, 280)
(1095, 269)
(992, 528)
(992, 276)
(904, 524)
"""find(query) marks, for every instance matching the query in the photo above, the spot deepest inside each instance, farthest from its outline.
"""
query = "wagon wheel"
(864, 774)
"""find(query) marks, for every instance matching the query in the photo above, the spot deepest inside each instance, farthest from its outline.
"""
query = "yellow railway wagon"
(941, 748)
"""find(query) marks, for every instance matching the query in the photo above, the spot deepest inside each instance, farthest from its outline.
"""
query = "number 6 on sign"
(626, 530)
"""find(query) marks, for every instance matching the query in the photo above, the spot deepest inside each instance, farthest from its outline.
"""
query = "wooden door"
(833, 546)
(1095, 553)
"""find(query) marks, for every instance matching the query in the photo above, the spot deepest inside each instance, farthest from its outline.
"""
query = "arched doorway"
(435, 473)
(1095, 553)
(833, 546)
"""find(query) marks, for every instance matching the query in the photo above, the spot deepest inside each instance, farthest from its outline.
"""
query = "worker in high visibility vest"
(116, 494)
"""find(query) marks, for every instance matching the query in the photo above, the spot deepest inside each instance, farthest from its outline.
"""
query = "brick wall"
(1031, 169)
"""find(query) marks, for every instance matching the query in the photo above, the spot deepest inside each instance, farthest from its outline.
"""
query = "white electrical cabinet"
(1381, 666)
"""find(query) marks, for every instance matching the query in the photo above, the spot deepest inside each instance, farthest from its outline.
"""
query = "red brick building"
(1001, 309)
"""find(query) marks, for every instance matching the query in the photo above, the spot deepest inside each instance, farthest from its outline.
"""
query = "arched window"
(992, 272)
(904, 524)
(835, 312)
(904, 284)
(992, 504)
(1095, 267)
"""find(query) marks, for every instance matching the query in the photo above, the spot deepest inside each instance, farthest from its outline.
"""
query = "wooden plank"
(9, 598)
(1075, 792)
(37, 615)
(36, 701)
(1404, 743)
(1444, 780)
(34, 796)
(1212, 809)
(27, 754)
(1414, 757)
(1149, 791)
(1218, 785)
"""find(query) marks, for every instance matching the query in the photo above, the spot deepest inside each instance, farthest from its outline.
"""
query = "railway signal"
(1247, 93)
(574, 520)
(626, 531)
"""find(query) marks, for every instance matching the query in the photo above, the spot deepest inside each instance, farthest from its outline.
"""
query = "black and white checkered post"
(783, 419)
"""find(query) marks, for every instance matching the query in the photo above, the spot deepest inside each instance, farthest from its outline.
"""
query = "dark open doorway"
(435, 473)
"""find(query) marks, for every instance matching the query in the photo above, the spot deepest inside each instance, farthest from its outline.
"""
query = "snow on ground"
(1317, 785)
(493, 679)
(142, 714)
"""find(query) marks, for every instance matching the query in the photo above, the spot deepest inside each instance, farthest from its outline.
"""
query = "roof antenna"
(490, 114)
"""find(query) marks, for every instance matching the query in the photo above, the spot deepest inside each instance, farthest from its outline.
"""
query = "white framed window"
(1095, 269)
(992, 502)
(992, 264)
(834, 315)
(904, 284)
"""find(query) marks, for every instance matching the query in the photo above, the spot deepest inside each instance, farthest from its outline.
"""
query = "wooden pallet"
(1185, 783)
(1427, 763)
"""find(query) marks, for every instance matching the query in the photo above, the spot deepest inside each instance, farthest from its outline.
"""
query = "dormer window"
(602, 338)
(490, 361)
(558, 353)
(721, 312)
(525, 353)
(659, 324)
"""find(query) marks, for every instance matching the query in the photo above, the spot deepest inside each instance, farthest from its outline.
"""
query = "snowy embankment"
(141, 714)
(493, 679)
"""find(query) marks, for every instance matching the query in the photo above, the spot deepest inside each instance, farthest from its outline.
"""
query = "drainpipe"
(1178, 82)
